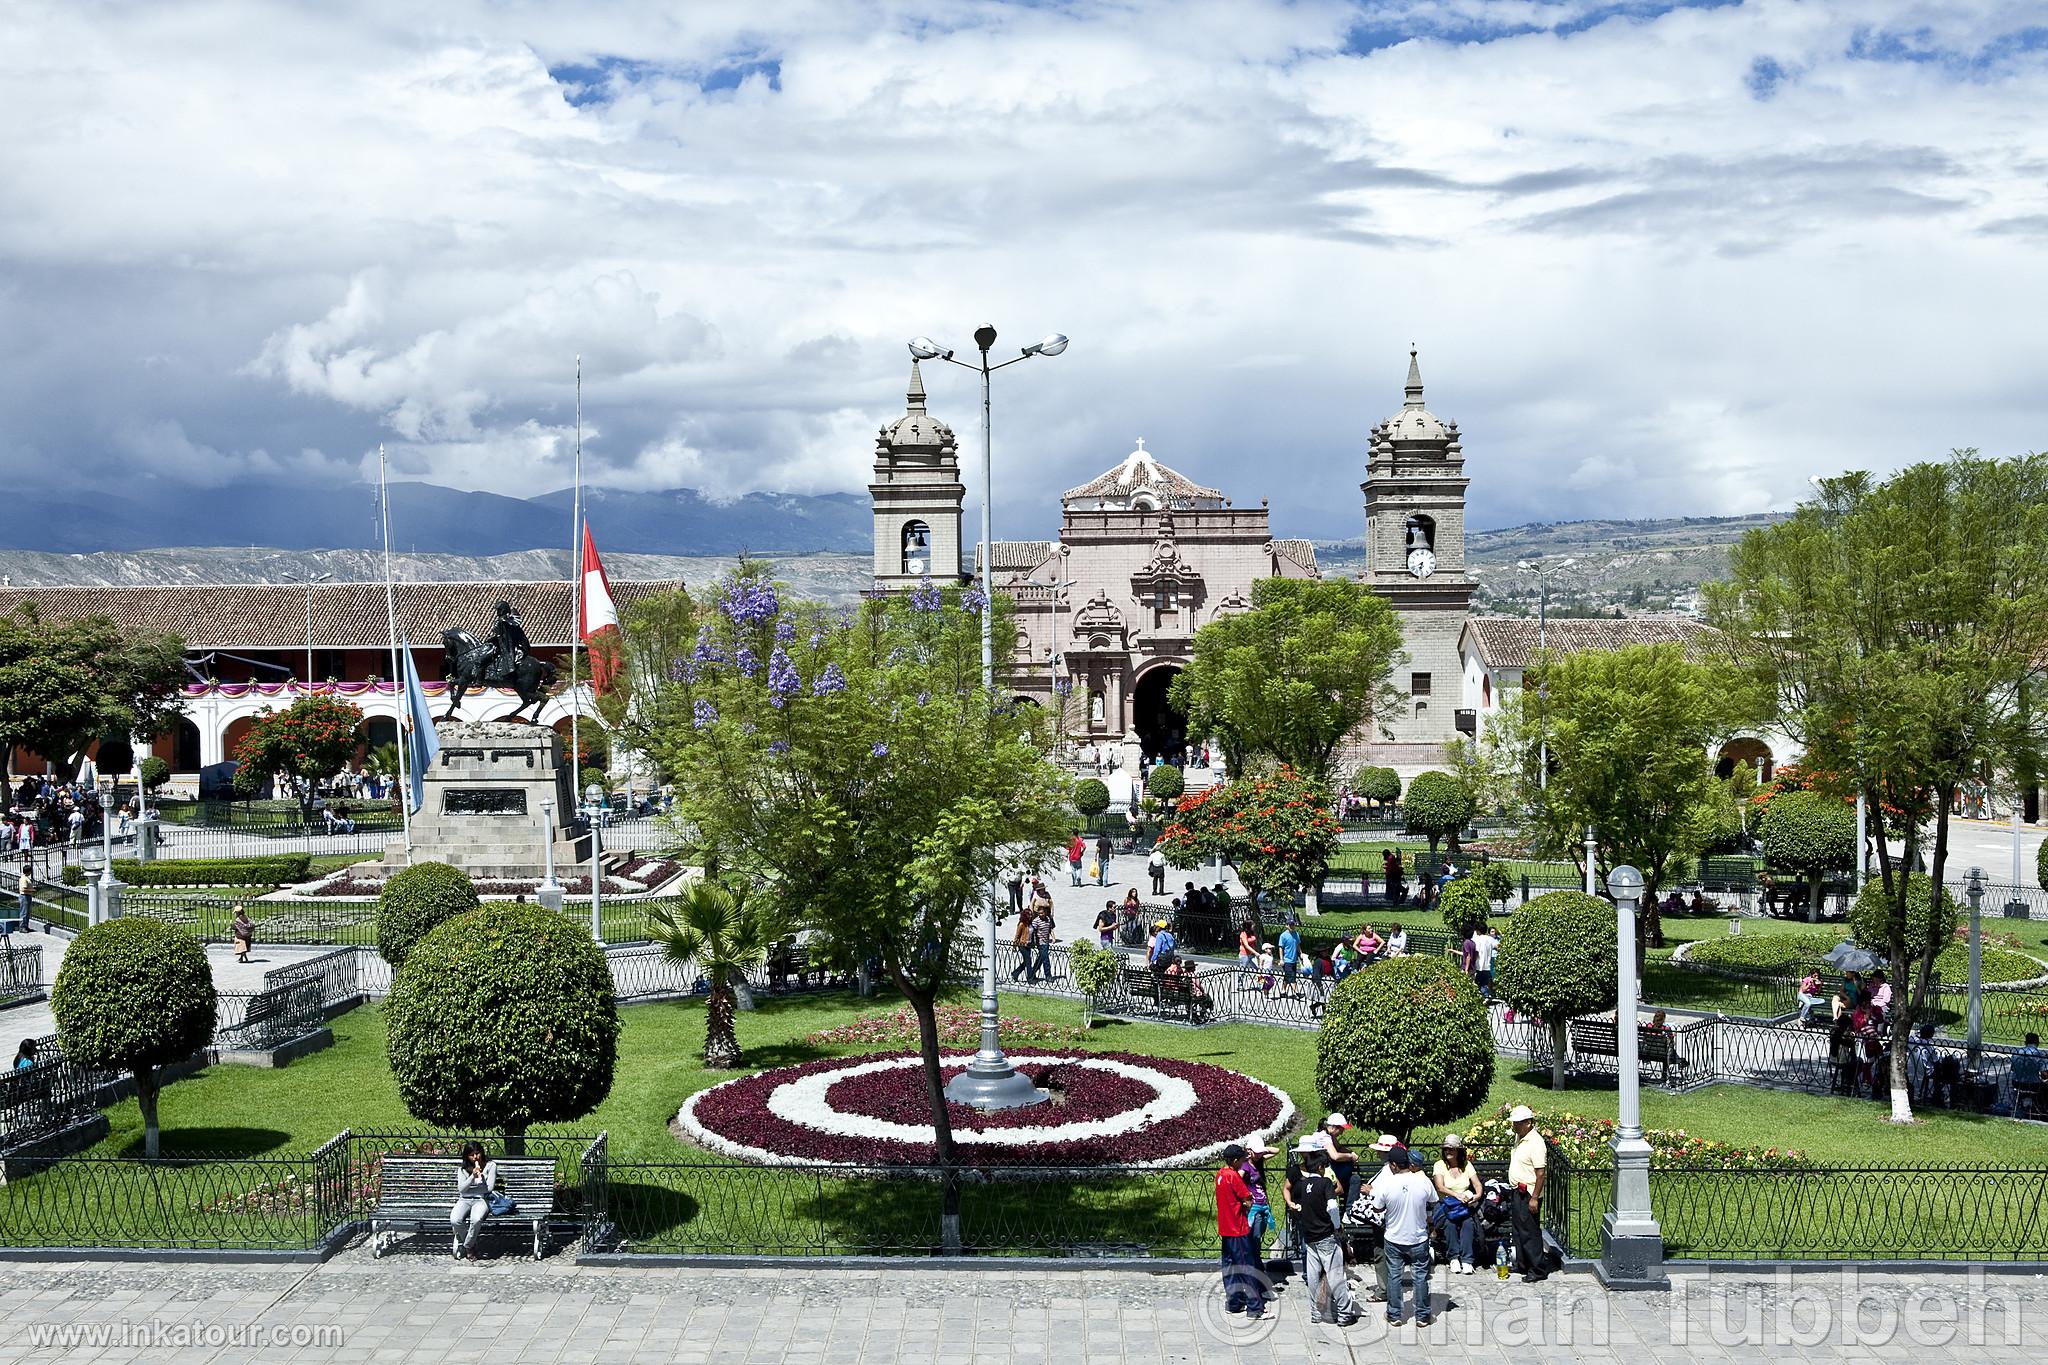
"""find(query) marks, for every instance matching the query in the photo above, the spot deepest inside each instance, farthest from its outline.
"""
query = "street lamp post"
(593, 810)
(107, 878)
(989, 1081)
(309, 582)
(1974, 1049)
(1543, 573)
(550, 892)
(1631, 1243)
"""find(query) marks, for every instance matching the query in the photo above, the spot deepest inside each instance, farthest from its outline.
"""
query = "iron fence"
(64, 906)
(46, 1098)
(21, 970)
(263, 1020)
(337, 976)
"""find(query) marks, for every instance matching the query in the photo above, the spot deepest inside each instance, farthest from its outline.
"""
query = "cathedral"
(1106, 613)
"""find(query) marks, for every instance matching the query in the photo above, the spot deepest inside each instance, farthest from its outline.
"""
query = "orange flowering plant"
(1277, 830)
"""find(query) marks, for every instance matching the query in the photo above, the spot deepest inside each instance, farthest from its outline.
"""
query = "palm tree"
(717, 929)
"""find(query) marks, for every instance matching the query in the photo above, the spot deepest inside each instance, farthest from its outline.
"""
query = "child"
(1266, 963)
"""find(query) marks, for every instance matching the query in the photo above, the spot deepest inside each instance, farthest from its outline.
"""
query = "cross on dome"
(1141, 443)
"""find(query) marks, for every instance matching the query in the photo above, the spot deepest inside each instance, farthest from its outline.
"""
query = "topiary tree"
(1095, 970)
(416, 901)
(1557, 958)
(1404, 1043)
(1091, 797)
(1381, 786)
(1438, 806)
(1926, 922)
(1810, 834)
(2041, 864)
(1464, 906)
(1165, 783)
(134, 995)
(155, 772)
(502, 1018)
(1498, 881)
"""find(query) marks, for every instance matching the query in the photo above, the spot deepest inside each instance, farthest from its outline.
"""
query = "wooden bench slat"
(418, 1192)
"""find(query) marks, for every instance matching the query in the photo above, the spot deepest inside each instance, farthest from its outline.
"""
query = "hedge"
(1786, 955)
(268, 870)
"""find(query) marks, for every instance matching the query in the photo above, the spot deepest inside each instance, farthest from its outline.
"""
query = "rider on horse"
(508, 637)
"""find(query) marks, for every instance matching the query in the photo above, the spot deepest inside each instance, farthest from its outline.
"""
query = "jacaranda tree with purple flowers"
(862, 776)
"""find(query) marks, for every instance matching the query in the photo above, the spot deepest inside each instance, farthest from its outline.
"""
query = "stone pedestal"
(481, 802)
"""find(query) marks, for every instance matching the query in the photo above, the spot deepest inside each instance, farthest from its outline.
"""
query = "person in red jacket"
(1243, 1283)
(1077, 853)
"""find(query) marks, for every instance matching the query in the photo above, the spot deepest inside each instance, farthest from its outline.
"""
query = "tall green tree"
(1896, 625)
(851, 764)
(654, 632)
(65, 684)
(1286, 681)
(1630, 730)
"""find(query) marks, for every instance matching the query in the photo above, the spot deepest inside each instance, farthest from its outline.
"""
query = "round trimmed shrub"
(503, 1018)
(1381, 785)
(1437, 805)
(1165, 782)
(1404, 1043)
(1928, 919)
(1464, 906)
(1558, 958)
(133, 995)
(1498, 881)
(1808, 833)
(155, 772)
(2041, 864)
(415, 902)
(1091, 796)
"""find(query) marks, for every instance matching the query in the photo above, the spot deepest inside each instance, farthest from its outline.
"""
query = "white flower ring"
(806, 1101)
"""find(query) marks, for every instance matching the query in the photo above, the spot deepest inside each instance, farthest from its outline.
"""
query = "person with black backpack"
(1315, 1213)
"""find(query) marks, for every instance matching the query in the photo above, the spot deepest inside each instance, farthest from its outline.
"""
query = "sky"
(1659, 260)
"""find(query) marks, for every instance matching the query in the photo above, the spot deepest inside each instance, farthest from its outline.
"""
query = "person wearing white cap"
(1315, 1213)
(1343, 1162)
(1528, 1168)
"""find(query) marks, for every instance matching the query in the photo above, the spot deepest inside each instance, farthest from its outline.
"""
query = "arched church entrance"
(1162, 727)
(1753, 754)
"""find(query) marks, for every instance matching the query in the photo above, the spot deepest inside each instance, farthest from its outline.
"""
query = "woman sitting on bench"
(475, 1180)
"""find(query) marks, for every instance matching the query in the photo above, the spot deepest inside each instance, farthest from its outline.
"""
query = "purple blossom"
(817, 638)
(746, 661)
(749, 602)
(785, 631)
(703, 714)
(707, 651)
(783, 681)
(925, 597)
(682, 670)
(974, 599)
(778, 746)
(923, 697)
(830, 681)
(881, 750)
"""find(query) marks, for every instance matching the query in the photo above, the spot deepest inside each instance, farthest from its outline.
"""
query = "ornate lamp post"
(107, 878)
(593, 810)
(989, 1081)
(1631, 1243)
(1974, 1057)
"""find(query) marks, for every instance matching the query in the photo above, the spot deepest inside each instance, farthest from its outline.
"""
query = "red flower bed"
(735, 1117)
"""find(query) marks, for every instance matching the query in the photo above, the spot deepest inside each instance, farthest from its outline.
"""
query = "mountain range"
(429, 519)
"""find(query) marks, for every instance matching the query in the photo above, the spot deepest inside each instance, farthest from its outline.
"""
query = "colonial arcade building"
(257, 647)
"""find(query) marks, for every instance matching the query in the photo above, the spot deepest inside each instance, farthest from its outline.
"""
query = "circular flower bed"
(1109, 1109)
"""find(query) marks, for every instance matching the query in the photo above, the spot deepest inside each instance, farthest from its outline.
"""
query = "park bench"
(1172, 993)
(1601, 1038)
(416, 1194)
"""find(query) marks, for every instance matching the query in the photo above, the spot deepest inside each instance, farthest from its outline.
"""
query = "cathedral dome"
(1415, 422)
(916, 429)
(1141, 482)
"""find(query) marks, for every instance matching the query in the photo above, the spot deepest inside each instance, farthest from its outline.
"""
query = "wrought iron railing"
(46, 1098)
(21, 970)
(267, 1019)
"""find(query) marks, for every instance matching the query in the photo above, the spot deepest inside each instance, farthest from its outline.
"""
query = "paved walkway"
(36, 1021)
(418, 1308)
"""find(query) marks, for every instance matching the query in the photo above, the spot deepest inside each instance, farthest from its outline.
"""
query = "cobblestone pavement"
(419, 1308)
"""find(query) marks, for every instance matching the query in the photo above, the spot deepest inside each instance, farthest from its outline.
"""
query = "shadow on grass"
(210, 1143)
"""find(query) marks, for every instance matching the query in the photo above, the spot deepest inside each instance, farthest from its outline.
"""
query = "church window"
(917, 549)
(1418, 684)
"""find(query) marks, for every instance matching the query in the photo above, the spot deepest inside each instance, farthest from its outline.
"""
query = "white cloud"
(1663, 261)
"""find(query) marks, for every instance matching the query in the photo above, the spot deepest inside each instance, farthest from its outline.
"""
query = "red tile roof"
(1510, 641)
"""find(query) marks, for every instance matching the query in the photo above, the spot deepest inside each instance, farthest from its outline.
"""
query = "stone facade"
(916, 496)
(481, 807)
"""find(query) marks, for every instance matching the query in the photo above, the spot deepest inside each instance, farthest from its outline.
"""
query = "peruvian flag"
(599, 626)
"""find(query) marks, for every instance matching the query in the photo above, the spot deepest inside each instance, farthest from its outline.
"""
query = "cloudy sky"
(1659, 260)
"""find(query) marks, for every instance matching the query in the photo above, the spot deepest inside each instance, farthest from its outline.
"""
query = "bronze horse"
(466, 664)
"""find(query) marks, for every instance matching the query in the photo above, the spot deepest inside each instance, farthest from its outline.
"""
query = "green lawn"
(232, 1118)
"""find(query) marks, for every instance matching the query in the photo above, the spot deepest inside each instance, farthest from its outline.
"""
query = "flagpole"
(576, 595)
(391, 621)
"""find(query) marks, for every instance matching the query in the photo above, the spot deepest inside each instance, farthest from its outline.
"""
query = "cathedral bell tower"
(1415, 556)
(916, 497)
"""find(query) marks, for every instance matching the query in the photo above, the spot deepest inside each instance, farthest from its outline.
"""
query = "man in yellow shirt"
(1528, 1168)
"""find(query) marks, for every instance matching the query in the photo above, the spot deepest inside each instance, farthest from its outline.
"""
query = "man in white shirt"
(1528, 1170)
(1485, 944)
(1405, 1196)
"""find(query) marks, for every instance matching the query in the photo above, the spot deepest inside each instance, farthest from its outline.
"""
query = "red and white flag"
(599, 626)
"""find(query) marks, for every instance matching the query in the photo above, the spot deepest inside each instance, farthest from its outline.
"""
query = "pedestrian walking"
(1485, 947)
(1244, 1288)
(1041, 943)
(244, 930)
(1020, 939)
(1103, 849)
(1290, 960)
(1313, 1208)
(1077, 853)
(1155, 863)
(1105, 924)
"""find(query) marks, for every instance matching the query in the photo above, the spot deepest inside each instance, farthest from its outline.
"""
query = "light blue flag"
(424, 742)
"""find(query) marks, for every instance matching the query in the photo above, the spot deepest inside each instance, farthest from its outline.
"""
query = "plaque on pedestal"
(481, 802)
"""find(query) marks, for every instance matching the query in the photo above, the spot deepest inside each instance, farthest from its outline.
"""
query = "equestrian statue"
(503, 660)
